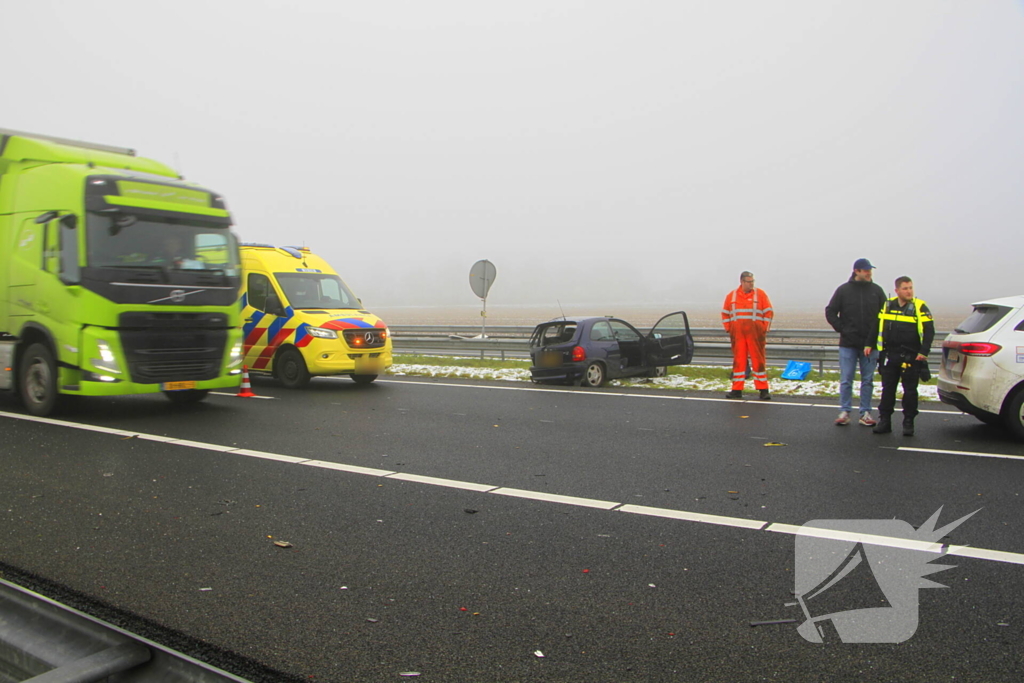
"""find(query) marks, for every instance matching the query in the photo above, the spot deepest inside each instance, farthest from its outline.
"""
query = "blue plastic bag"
(796, 369)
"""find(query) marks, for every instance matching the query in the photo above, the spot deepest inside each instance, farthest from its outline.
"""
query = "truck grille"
(173, 347)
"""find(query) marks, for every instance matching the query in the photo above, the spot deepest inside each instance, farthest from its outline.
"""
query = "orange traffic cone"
(245, 391)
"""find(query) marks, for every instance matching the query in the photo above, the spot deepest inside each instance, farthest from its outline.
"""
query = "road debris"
(776, 443)
(283, 544)
(538, 654)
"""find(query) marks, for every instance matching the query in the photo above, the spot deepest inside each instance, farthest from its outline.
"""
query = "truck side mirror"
(70, 271)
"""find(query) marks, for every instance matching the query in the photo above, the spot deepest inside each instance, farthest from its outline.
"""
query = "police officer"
(905, 334)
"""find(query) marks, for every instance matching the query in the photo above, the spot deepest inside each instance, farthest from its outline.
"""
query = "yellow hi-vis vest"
(917, 318)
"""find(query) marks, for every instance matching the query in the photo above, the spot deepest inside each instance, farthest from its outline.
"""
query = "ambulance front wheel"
(363, 379)
(291, 369)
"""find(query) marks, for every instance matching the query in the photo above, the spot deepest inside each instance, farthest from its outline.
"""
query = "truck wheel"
(1015, 414)
(593, 376)
(37, 380)
(363, 379)
(187, 396)
(291, 369)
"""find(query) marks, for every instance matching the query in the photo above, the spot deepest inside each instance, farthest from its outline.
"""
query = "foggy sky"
(596, 152)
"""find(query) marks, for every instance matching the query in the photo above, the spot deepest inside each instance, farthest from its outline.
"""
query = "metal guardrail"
(711, 344)
(43, 641)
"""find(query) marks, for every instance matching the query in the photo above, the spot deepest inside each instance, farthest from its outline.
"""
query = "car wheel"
(1015, 414)
(593, 376)
(291, 370)
(37, 380)
(187, 396)
(660, 371)
(363, 379)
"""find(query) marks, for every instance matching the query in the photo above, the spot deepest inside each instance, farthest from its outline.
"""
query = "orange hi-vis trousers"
(748, 339)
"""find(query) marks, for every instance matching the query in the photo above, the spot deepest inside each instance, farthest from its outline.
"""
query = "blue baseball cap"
(862, 264)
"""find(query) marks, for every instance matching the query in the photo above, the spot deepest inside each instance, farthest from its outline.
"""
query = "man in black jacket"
(905, 335)
(853, 313)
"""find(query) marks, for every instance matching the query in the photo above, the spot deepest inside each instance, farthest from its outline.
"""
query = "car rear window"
(982, 319)
(553, 333)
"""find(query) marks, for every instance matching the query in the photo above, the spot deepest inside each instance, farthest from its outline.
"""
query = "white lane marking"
(983, 554)
(694, 516)
(555, 498)
(268, 456)
(683, 515)
(436, 481)
(354, 469)
(620, 394)
(973, 454)
(871, 539)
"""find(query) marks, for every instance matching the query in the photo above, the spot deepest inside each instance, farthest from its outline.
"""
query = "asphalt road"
(457, 529)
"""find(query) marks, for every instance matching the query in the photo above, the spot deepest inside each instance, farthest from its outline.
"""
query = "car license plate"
(549, 359)
(177, 386)
(369, 366)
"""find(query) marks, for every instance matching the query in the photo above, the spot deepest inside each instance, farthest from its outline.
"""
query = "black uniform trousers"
(893, 373)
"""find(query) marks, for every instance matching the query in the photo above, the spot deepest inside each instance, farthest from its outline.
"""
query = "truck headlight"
(107, 362)
(321, 333)
(235, 357)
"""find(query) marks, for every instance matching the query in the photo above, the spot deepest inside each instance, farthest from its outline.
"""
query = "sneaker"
(765, 395)
(844, 418)
(867, 420)
(735, 393)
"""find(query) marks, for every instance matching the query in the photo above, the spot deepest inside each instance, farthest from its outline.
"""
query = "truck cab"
(300, 320)
(116, 276)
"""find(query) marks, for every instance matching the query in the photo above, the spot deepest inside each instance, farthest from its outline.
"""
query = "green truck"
(116, 276)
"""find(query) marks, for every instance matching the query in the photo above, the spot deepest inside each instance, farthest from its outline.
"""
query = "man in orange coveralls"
(746, 315)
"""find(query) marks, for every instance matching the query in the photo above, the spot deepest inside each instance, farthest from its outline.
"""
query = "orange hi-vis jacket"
(747, 317)
(747, 312)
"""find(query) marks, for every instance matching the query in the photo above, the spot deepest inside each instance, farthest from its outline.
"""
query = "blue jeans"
(849, 358)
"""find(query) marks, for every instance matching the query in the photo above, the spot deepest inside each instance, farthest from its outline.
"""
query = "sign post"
(481, 277)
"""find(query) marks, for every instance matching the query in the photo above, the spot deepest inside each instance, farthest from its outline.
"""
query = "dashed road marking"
(611, 506)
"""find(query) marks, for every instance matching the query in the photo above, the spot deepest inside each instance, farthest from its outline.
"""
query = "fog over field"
(602, 154)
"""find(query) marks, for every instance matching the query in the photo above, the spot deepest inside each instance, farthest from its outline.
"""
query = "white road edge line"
(620, 394)
(972, 454)
(683, 515)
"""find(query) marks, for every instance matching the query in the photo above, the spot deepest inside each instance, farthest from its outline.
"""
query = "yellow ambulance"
(300, 320)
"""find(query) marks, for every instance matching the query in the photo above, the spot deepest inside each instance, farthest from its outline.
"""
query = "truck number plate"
(177, 386)
(369, 366)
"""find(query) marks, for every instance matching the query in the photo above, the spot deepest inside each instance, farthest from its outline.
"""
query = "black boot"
(908, 426)
(735, 393)
(884, 425)
(765, 395)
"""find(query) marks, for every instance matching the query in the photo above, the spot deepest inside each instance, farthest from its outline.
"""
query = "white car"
(982, 369)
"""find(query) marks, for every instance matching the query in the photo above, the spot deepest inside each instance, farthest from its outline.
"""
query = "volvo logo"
(176, 296)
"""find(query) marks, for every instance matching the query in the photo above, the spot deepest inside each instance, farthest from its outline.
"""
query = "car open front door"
(669, 341)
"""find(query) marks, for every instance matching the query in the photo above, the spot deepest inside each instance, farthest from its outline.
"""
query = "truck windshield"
(129, 241)
(316, 290)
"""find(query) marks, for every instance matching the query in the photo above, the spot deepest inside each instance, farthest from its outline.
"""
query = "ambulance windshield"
(316, 290)
(129, 241)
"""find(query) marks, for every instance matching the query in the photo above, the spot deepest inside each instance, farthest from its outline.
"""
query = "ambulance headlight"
(321, 333)
(107, 361)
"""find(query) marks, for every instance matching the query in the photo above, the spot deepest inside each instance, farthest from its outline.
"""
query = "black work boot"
(765, 395)
(908, 426)
(735, 393)
(884, 425)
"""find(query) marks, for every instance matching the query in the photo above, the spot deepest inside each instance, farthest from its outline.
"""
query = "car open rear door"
(669, 342)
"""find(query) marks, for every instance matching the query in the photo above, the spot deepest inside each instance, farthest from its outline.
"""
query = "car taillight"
(578, 353)
(979, 348)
